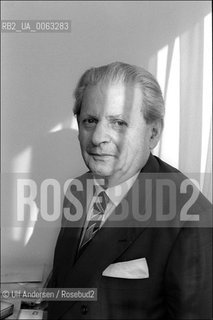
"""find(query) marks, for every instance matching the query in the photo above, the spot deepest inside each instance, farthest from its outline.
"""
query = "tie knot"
(101, 201)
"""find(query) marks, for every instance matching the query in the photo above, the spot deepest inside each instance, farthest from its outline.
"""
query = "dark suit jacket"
(178, 253)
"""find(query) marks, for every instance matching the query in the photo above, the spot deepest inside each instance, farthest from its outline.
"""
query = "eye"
(119, 123)
(89, 122)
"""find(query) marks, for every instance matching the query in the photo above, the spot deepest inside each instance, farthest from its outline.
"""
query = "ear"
(155, 133)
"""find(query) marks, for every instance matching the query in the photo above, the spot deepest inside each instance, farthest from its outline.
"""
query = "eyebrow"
(109, 117)
(86, 114)
(116, 116)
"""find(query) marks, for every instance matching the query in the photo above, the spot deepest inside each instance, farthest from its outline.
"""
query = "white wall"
(39, 73)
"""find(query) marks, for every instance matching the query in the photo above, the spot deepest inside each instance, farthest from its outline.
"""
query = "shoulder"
(180, 192)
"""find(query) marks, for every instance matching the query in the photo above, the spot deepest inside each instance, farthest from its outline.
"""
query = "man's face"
(114, 137)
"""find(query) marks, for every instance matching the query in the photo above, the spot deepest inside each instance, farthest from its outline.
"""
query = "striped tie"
(94, 224)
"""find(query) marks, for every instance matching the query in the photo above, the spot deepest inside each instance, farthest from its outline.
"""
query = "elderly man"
(133, 227)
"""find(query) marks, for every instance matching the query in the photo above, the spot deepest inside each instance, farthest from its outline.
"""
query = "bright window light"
(207, 93)
(57, 128)
(22, 162)
(74, 124)
(170, 140)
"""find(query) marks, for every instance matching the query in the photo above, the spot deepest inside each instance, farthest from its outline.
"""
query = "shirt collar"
(116, 193)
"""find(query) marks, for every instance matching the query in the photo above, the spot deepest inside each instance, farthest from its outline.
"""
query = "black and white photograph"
(106, 165)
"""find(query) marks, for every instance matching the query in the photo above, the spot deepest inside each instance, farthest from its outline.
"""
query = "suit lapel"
(71, 226)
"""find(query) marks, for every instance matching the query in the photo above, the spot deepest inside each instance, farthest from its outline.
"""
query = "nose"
(101, 134)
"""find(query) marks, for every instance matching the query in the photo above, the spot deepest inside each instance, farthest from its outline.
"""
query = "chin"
(100, 171)
(100, 168)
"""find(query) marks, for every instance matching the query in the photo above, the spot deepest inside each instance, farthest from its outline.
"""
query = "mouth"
(100, 155)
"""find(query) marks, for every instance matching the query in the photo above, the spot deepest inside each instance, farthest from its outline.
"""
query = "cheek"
(83, 138)
(126, 149)
(137, 143)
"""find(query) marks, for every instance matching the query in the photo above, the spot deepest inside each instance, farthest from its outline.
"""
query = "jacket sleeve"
(188, 279)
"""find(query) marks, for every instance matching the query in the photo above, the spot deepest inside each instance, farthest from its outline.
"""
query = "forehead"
(112, 97)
